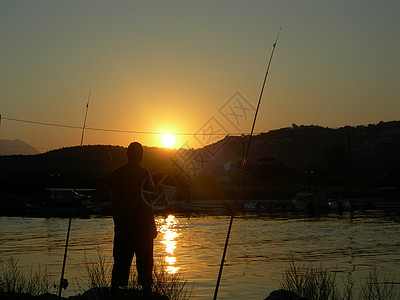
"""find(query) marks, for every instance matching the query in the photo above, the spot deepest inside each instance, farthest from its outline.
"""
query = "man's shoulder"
(129, 168)
(144, 170)
(142, 173)
(119, 170)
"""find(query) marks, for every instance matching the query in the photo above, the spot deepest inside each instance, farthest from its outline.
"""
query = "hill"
(30, 175)
(352, 160)
(371, 149)
(16, 147)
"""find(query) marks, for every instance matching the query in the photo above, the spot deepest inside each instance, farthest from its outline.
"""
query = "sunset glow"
(168, 140)
(170, 75)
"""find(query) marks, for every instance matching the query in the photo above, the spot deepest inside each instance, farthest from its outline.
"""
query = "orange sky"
(171, 66)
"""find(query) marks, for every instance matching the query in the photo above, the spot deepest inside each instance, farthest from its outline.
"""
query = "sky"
(193, 68)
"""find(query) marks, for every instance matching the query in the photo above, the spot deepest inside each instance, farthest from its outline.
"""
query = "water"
(258, 253)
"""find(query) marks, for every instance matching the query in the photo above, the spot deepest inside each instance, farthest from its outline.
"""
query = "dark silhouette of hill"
(31, 174)
(358, 158)
(16, 147)
(371, 149)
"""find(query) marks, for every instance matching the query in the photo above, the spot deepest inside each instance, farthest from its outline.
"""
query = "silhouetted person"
(134, 226)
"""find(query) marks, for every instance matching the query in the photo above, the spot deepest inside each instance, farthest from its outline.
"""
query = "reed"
(378, 286)
(307, 281)
(96, 275)
(14, 281)
(173, 286)
(96, 272)
(319, 283)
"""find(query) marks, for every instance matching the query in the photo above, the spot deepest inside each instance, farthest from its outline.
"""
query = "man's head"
(135, 152)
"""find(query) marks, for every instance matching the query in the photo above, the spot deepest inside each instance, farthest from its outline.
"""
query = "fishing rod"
(243, 169)
(63, 282)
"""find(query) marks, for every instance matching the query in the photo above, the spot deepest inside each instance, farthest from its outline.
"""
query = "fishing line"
(63, 283)
(243, 169)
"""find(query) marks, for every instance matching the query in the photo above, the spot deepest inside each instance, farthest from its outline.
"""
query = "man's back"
(126, 183)
(127, 204)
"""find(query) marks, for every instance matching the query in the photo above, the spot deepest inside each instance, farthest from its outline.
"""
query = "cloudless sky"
(170, 66)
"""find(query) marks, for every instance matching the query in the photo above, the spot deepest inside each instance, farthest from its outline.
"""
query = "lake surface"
(258, 253)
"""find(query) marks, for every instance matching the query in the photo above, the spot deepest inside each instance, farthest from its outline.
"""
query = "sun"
(168, 140)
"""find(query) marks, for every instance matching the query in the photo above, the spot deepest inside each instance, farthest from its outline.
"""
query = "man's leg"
(144, 263)
(121, 267)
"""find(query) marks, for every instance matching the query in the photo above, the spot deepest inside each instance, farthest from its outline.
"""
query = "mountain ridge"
(16, 147)
(279, 161)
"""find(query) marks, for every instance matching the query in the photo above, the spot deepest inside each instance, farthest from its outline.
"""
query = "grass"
(172, 286)
(379, 287)
(306, 280)
(318, 283)
(14, 281)
(96, 275)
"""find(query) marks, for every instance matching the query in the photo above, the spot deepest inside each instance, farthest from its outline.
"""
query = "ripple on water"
(258, 250)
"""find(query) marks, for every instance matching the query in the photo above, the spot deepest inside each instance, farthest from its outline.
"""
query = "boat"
(254, 206)
(310, 201)
(64, 202)
(269, 206)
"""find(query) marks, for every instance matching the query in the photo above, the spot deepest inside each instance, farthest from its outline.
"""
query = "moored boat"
(310, 201)
(64, 202)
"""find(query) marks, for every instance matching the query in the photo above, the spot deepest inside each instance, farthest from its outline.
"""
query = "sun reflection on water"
(168, 229)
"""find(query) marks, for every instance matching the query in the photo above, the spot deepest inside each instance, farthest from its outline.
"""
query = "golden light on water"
(169, 233)
(172, 270)
(170, 260)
